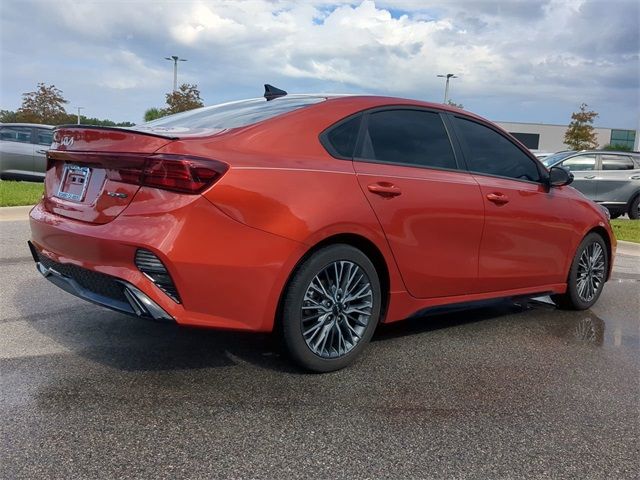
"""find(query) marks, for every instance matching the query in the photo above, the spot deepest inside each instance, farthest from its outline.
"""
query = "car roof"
(41, 125)
(608, 152)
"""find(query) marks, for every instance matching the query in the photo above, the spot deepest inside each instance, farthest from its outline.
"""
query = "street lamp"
(175, 60)
(446, 87)
(79, 108)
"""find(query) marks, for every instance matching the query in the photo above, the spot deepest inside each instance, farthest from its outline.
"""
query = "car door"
(585, 173)
(618, 179)
(42, 139)
(527, 229)
(16, 151)
(430, 210)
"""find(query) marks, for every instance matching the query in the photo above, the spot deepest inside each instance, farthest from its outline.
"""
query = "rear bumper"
(98, 288)
(228, 275)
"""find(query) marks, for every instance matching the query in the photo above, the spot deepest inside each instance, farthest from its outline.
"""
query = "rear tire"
(634, 208)
(331, 308)
(587, 274)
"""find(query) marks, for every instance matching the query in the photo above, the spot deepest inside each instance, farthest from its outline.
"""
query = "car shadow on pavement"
(130, 344)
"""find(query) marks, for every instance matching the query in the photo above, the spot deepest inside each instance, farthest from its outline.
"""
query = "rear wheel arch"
(366, 246)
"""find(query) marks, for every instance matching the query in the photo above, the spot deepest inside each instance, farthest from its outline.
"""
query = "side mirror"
(560, 176)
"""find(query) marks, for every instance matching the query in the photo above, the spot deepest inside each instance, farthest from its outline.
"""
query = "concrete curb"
(8, 214)
(628, 248)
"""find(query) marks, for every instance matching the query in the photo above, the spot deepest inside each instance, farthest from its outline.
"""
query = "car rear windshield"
(229, 115)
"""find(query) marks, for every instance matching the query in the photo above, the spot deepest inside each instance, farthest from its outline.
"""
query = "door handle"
(384, 189)
(590, 177)
(635, 177)
(44, 152)
(498, 198)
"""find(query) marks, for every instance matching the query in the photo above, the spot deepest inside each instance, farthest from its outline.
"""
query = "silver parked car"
(23, 150)
(609, 178)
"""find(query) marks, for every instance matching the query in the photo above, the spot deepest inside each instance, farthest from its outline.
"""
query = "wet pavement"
(511, 390)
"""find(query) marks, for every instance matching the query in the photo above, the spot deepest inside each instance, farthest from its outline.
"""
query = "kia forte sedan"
(317, 217)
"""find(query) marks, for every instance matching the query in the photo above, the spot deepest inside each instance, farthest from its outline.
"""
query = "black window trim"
(324, 136)
(544, 173)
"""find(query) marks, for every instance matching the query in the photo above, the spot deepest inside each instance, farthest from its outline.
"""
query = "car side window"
(617, 162)
(580, 163)
(492, 153)
(409, 137)
(44, 137)
(16, 134)
(343, 137)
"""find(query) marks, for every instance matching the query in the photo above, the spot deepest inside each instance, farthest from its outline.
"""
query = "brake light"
(179, 173)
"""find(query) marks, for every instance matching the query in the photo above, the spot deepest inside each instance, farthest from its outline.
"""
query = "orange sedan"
(316, 216)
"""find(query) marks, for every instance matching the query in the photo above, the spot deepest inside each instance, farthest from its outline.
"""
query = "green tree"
(154, 113)
(8, 116)
(617, 146)
(45, 105)
(580, 135)
(187, 97)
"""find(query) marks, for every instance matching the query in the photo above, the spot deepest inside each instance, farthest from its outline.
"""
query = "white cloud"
(509, 55)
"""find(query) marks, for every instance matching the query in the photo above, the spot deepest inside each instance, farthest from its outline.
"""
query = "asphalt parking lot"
(506, 391)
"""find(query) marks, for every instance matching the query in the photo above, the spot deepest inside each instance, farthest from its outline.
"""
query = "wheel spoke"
(336, 309)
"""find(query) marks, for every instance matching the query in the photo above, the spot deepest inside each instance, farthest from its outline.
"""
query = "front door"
(585, 174)
(527, 230)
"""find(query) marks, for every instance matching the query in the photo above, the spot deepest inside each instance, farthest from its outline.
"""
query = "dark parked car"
(23, 150)
(611, 179)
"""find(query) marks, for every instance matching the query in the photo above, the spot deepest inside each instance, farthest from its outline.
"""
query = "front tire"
(331, 308)
(587, 274)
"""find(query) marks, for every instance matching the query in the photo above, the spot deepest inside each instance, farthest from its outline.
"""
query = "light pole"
(79, 108)
(446, 87)
(175, 60)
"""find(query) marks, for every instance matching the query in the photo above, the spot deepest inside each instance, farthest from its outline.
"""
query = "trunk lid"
(86, 166)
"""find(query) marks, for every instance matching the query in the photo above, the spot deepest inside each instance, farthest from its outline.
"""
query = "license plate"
(74, 182)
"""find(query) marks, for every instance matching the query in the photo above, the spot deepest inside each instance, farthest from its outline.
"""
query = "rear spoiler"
(120, 129)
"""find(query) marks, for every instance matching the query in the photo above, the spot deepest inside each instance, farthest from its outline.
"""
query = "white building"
(550, 138)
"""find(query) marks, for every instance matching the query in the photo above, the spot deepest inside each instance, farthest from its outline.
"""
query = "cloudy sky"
(517, 60)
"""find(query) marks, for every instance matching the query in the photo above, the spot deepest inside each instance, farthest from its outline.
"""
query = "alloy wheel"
(336, 309)
(590, 274)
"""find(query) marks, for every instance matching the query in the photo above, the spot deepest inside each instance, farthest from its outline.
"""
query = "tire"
(634, 208)
(582, 295)
(320, 331)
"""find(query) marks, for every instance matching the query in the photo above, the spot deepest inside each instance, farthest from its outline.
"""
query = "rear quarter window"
(340, 140)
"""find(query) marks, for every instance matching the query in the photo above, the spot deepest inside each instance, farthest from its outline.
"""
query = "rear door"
(618, 179)
(585, 173)
(430, 210)
(16, 150)
(527, 230)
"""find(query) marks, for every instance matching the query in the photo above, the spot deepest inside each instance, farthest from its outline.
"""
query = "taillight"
(179, 173)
